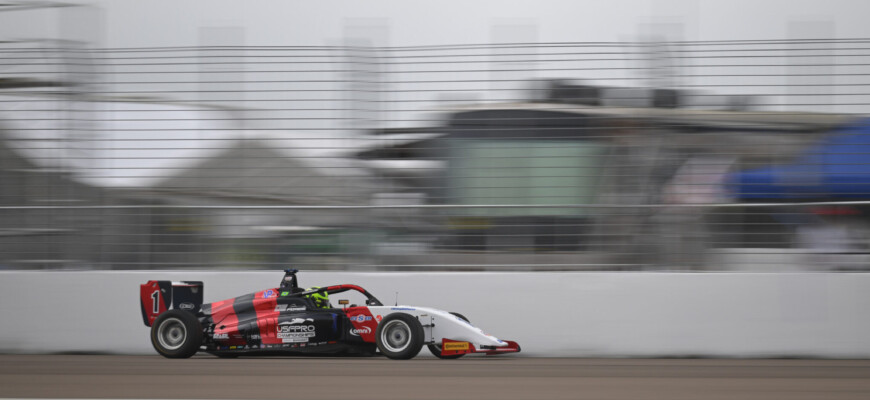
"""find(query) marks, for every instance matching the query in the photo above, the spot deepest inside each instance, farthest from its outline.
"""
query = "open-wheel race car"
(292, 320)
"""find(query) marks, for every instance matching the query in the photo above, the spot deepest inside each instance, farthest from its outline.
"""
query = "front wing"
(453, 347)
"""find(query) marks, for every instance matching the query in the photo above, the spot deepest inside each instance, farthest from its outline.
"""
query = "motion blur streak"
(74, 376)
(665, 155)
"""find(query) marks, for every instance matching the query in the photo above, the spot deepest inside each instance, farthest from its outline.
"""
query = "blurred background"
(494, 136)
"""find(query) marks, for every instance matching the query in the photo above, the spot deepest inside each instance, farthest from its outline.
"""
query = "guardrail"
(553, 314)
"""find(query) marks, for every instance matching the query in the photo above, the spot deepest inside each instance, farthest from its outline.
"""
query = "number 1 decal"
(155, 297)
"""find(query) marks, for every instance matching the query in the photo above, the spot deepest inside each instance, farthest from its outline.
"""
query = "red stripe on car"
(267, 316)
(226, 322)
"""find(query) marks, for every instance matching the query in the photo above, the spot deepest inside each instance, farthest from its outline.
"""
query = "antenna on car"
(397, 298)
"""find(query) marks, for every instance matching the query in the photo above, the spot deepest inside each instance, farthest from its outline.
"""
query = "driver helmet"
(320, 299)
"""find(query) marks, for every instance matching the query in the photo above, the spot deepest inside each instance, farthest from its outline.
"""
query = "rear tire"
(176, 334)
(399, 336)
(435, 349)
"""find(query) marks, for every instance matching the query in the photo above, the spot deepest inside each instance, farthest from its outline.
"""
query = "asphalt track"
(206, 377)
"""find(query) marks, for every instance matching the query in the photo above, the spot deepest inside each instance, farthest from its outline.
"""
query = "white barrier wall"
(550, 314)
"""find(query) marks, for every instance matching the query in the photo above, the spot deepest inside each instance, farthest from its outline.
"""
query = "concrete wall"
(550, 314)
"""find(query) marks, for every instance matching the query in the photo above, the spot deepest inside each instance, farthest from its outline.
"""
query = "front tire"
(435, 349)
(399, 336)
(176, 334)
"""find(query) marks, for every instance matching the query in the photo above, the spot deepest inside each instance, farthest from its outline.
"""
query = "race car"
(292, 320)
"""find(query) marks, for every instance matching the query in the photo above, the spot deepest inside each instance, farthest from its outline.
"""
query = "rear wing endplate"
(155, 297)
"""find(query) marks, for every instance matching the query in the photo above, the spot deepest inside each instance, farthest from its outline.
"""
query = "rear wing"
(155, 297)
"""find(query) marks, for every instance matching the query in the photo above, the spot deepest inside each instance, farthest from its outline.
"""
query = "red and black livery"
(289, 319)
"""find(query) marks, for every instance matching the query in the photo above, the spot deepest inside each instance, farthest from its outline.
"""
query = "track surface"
(80, 376)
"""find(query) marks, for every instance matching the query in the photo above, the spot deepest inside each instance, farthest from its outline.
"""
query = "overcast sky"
(137, 23)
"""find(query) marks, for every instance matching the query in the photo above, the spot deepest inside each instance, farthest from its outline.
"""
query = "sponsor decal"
(455, 346)
(286, 307)
(358, 331)
(219, 336)
(402, 309)
(379, 318)
(186, 306)
(232, 347)
(255, 337)
(269, 293)
(296, 330)
(360, 318)
(321, 343)
(302, 345)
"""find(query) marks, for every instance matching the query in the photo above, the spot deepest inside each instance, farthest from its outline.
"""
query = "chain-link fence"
(561, 156)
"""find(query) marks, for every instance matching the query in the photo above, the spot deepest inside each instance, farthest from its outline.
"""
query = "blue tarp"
(836, 168)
